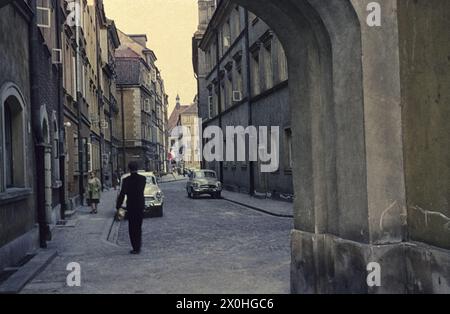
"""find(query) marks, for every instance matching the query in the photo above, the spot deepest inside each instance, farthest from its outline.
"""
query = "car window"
(205, 174)
(151, 180)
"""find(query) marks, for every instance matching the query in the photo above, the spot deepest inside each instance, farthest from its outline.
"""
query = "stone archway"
(348, 170)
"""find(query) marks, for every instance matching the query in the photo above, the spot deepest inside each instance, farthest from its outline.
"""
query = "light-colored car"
(154, 197)
(203, 182)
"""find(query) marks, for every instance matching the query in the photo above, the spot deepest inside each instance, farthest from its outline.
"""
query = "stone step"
(26, 273)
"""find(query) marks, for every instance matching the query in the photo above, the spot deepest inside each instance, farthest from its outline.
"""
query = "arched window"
(55, 149)
(13, 130)
(9, 166)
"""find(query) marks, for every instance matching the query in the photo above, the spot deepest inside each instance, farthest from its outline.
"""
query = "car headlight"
(219, 185)
(159, 195)
(195, 185)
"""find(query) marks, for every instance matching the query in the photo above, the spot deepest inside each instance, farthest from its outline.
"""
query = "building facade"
(142, 102)
(243, 81)
(58, 104)
(187, 154)
(17, 169)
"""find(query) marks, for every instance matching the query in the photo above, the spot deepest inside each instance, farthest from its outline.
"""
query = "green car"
(203, 182)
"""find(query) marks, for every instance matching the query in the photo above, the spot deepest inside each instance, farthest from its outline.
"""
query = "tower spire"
(178, 101)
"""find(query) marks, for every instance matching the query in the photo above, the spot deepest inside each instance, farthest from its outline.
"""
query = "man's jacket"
(133, 187)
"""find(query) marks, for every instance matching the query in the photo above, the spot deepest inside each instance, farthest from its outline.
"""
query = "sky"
(169, 25)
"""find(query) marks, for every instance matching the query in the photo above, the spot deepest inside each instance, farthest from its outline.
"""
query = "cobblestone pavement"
(199, 246)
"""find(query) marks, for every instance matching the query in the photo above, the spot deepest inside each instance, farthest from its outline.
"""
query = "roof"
(177, 111)
(126, 52)
(192, 109)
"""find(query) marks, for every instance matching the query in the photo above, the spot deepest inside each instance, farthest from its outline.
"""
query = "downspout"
(79, 104)
(40, 146)
(99, 94)
(124, 167)
(249, 93)
(111, 147)
(62, 131)
(219, 95)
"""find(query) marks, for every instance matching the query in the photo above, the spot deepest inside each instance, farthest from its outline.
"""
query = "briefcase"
(121, 214)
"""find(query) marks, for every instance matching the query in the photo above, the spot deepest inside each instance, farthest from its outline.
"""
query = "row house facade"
(32, 177)
(242, 76)
(90, 101)
(143, 105)
(186, 119)
(61, 115)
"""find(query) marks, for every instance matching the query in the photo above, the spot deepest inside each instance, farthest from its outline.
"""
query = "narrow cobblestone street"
(199, 246)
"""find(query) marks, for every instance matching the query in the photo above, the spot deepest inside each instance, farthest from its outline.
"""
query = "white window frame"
(237, 96)
(57, 53)
(104, 124)
(49, 16)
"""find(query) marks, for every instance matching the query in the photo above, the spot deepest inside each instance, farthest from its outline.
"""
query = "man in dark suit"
(133, 187)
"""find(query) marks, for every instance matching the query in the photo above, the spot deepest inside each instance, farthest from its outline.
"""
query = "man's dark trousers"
(133, 188)
(135, 231)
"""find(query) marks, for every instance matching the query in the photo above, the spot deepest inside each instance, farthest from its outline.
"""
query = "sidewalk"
(172, 178)
(268, 206)
(82, 240)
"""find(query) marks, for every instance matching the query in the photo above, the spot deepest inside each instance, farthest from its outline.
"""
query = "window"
(229, 90)
(282, 63)
(8, 148)
(55, 150)
(222, 96)
(43, 16)
(256, 88)
(57, 56)
(74, 78)
(210, 107)
(237, 22)
(76, 148)
(13, 131)
(87, 164)
(226, 37)
(147, 105)
(288, 149)
(238, 85)
(268, 66)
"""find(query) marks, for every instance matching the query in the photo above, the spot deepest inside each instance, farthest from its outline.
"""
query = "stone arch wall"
(344, 81)
(322, 40)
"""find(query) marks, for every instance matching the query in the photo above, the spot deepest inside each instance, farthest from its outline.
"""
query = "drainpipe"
(62, 131)
(219, 95)
(249, 93)
(40, 146)
(79, 104)
(99, 94)
(110, 131)
(124, 167)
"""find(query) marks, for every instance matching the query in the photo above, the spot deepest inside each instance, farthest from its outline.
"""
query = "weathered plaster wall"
(424, 31)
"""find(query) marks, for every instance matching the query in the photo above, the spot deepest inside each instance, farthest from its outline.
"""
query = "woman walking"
(94, 187)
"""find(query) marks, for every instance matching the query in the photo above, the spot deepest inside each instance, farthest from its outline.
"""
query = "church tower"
(178, 105)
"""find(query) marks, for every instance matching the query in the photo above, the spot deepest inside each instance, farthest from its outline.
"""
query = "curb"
(178, 180)
(258, 209)
(27, 272)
